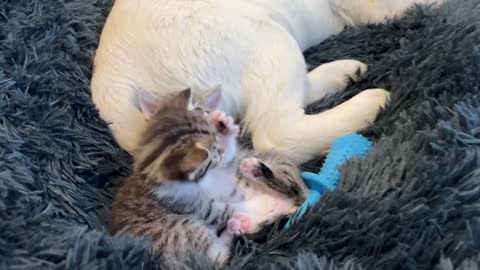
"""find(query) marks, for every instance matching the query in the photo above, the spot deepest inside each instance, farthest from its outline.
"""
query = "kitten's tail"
(302, 137)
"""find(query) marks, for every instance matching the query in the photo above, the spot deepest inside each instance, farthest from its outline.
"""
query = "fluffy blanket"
(413, 203)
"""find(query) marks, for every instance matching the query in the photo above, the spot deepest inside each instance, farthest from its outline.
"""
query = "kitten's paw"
(254, 168)
(239, 224)
(224, 123)
(250, 168)
(365, 107)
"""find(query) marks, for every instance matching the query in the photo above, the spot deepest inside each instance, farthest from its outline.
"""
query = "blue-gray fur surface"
(413, 203)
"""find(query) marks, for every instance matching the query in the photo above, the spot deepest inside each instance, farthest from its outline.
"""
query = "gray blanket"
(413, 203)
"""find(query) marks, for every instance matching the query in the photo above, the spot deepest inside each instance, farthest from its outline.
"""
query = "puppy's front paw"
(337, 75)
(352, 70)
(378, 98)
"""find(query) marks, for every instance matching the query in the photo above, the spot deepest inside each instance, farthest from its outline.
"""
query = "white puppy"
(252, 48)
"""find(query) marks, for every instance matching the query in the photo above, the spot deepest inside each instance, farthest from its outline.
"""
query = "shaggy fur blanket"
(412, 203)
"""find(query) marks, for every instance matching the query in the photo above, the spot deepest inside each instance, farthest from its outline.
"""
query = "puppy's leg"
(275, 87)
(301, 136)
(354, 12)
(333, 77)
(228, 131)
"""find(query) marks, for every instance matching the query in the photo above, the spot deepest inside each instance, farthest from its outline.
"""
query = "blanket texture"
(413, 203)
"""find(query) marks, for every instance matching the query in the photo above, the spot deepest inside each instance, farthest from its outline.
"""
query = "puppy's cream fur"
(253, 49)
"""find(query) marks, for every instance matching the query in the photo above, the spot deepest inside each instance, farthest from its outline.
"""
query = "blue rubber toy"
(343, 149)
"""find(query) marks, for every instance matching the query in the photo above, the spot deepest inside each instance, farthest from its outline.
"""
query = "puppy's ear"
(147, 103)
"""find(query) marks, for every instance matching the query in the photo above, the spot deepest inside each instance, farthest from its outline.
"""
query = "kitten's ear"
(214, 97)
(183, 100)
(147, 103)
(193, 159)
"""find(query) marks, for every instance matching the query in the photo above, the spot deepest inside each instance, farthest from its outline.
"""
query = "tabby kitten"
(185, 193)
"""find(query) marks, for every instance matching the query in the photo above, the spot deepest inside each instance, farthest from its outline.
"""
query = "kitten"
(185, 194)
(267, 185)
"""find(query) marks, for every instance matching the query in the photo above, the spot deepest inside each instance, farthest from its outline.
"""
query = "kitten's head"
(179, 143)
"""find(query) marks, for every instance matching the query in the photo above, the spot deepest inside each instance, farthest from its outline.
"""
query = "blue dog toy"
(343, 149)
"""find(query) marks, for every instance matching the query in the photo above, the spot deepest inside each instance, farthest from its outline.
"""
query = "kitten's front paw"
(239, 224)
(253, 168)
(224, 123)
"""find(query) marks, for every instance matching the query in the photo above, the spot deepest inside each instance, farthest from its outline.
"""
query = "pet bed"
(412, 203)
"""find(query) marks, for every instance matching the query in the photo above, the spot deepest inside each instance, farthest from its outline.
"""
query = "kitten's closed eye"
(201, 110)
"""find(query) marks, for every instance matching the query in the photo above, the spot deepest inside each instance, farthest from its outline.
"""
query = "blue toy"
(343, 149)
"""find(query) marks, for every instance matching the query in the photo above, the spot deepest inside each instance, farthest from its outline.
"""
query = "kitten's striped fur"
(184, 195)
